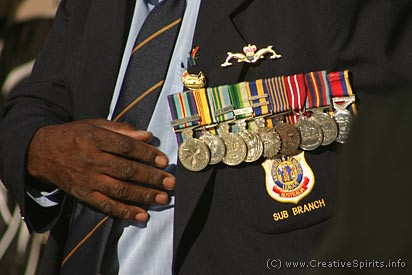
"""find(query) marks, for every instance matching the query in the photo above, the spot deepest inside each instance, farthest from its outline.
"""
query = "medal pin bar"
(318, 100)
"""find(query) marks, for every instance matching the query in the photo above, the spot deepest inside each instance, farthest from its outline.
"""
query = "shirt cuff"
(45, 199)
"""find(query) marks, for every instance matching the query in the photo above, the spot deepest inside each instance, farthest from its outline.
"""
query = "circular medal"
(216, 147)
(236, 149)
(271, 141)
(290, 138)
(254, 145)
(310, 132)
(344, 121)
(328, 125)
(194, 154)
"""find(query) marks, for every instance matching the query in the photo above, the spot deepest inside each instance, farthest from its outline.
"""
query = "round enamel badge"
(288, 178)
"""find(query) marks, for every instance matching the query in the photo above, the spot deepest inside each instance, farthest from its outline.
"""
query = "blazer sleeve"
(44, 99)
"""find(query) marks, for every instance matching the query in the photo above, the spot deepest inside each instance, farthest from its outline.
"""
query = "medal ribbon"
(259, 97)
(318, 90)
(296, 92)
(204, 103)
(203, 107)
(223, 108)
(340, 87)
(240, 99)
(276, 89)
(184, 112)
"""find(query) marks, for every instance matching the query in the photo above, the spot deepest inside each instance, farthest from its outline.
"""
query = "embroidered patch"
(288, 178)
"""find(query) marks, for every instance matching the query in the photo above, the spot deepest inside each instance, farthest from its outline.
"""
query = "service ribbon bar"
(203, 107)
(259, 98)
(240, 100)
(296, 92)
(184, 112)
(341, 89)
(221, 101)
(318, 90)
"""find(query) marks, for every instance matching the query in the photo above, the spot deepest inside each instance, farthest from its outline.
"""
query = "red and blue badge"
(288, 178)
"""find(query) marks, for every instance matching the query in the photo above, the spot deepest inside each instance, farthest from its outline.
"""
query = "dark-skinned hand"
(98, 161)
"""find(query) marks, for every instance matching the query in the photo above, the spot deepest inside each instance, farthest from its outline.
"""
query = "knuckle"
(126, 213)
(122, 191)
(148, 155)
(82, 133)
(106, 206)
(125, 145)
(154, 177)
(146, 196)
(126, 171)
(83, 194)
(122, 169)
(106, 188)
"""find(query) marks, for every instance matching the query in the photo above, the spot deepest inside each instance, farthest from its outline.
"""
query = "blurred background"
(24, 25)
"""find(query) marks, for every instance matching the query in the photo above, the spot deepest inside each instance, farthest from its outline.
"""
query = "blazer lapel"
(106, 21)
(215, 35)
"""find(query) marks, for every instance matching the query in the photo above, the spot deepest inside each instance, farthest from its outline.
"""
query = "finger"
(116, 208)
(122, 145)
(126, 129)
(128, 170)
(127, 192)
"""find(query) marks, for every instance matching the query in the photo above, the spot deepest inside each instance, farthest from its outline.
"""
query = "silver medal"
(344, 120)
(236, 149)
(328, 125)
(343, 117)
(270, 139)
(216, 146)
(193, 153)
(253, 142)
(310, 132)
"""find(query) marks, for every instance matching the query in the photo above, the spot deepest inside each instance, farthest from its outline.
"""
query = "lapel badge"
(192, 59)
(250, 55)
(288, 178)
(194, 81)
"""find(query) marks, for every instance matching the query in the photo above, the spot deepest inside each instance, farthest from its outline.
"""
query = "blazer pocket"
(268, 214)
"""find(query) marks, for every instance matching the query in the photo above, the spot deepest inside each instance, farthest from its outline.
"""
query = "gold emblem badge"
(250, 55)
(194, 81)
(288, 178)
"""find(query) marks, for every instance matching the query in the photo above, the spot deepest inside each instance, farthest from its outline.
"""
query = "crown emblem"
(250, 50)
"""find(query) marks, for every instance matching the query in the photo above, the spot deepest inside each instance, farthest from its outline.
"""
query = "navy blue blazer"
(224, 218)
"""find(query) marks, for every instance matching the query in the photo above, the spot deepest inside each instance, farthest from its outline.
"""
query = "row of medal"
(242, 122)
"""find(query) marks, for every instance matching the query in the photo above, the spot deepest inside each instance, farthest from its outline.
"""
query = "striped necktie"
(148, 64)
(141, 87)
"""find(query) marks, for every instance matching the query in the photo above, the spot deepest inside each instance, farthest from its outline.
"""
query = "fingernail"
(169, 182)
(161, 161)
(162, 198)
(143, 132)
(141, 217)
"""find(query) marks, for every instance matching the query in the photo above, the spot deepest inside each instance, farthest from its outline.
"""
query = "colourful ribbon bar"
(223, 108)
(340, 87)
(184, 112)
(239, 96)
(203, 107)
(296, 92)
(318, 90)
(276, 89)
(259, 97)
